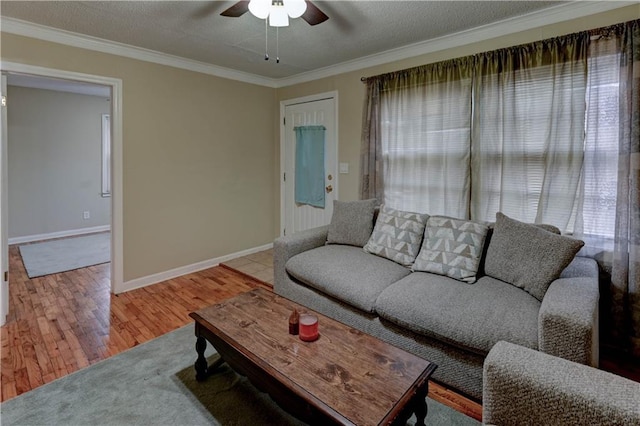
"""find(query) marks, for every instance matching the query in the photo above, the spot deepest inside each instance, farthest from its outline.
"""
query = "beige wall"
(198, 157)
(351, 89)
(55, 161)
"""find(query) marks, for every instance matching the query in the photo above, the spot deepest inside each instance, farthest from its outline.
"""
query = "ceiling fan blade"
(313, 15)
(237, 10)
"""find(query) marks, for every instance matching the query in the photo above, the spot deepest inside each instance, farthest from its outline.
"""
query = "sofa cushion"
(397, 235)
(451, 247)
(487, 242)
(346, 273)
(351, 223)
(471, 317)
(527, 256)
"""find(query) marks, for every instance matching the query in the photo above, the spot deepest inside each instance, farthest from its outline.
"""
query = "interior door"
(298, 217)
(4, 218)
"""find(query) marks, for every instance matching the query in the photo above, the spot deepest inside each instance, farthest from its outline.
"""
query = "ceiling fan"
(312, 14)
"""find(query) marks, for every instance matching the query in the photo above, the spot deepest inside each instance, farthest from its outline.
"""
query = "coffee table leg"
(420, 408)
(201, 362)
(202, 369)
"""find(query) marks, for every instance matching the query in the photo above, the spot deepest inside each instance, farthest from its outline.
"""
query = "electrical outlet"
(86, 215)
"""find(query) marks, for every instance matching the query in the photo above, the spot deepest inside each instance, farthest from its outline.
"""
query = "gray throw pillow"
(527, 256)
(397, 235)
(351, 223)
(452, 247)
(487, 242)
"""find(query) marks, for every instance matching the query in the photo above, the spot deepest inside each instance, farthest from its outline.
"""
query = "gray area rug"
(154, 384)
(51, 257)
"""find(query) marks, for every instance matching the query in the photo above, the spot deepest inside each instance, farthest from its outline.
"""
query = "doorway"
(115, 87)
(313, 110)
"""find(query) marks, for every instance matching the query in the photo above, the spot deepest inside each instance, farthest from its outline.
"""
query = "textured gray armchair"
(522, 386)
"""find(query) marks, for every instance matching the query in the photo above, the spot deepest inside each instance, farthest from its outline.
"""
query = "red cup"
(308, 328)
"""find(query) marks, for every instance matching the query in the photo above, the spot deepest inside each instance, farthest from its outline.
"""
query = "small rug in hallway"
(51, 257)
(154, 384)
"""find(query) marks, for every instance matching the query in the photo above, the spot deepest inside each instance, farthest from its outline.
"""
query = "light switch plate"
(344, 168)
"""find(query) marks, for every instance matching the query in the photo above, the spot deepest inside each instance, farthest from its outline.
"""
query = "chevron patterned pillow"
(397, 235)
(452, 247)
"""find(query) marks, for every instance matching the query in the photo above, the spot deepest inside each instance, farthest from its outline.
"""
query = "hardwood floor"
(63, 322)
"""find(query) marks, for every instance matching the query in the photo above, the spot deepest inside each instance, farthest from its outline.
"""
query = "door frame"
(333, 95)
(4, 216)
(116, 154)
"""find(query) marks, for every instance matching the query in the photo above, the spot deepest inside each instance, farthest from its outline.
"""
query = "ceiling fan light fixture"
(295, 8)
(278, 16)
(260, 8)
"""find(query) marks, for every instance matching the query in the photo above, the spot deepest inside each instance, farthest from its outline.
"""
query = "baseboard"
(184, 270)
(59, 234)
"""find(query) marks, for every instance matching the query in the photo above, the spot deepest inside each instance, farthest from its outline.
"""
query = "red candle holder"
(308, 328)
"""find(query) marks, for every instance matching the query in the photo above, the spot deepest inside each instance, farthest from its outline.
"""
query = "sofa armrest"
(581, 267)
(522, 386)
(568, 320)
(284, 248)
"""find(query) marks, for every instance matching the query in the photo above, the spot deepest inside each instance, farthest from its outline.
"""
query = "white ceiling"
(194, 30)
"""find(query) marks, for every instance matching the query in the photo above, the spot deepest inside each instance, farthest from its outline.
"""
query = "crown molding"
(554, 15)
(560, 13)
(55, 35)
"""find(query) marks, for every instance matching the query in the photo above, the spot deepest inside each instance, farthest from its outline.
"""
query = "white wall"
(54, 152)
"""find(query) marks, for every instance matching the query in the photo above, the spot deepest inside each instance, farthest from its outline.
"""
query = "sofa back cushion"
(397, 235)
(351, 223)
(487, 242)
(528, 256)
(452, 247)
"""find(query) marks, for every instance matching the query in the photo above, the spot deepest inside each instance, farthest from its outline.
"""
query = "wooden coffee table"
(344, 377)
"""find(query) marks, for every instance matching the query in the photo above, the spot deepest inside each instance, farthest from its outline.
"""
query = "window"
(528, 137)
(426, 147)
(538, 142)
(600, 172)
(106, 155)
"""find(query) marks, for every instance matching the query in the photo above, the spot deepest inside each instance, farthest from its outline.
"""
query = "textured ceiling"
(195, 30)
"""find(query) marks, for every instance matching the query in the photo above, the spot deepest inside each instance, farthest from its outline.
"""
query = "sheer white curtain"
(425, 130)
(596, 208)
(528, 131)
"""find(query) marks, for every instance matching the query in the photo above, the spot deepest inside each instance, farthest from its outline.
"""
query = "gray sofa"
(527, 387)
(450, 322)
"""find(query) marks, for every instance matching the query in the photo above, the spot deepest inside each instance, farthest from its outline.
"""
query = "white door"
(4, 218)
(298, 217)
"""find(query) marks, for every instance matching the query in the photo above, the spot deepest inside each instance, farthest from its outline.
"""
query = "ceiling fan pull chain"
(277, 46)
(266, 40)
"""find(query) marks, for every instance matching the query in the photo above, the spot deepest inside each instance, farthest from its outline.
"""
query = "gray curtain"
(625, 273)
(371, 175)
